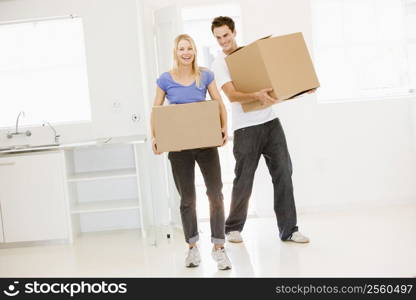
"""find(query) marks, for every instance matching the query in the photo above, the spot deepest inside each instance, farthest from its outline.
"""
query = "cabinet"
(32, 197)
(105, 187)
(1, 229)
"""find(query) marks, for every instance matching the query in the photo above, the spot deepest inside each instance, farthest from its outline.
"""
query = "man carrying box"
(256, 133)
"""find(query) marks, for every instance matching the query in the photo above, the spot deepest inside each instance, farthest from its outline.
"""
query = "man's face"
(225, 38)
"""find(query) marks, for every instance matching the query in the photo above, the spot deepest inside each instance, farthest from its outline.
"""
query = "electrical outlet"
(135, 117)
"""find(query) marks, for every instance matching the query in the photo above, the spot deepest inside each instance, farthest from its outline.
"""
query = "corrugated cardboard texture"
(282, 63)
(187, 126)
(248, 70)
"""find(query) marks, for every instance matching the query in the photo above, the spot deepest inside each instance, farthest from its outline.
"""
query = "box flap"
(236, 50)
(263, 38)
(266, 37)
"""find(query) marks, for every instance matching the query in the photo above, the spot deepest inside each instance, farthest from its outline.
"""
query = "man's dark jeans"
(250, 143)
(183, 168)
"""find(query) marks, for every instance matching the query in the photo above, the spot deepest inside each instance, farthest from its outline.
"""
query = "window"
(364, 49)
(197, 23)
(43, 72)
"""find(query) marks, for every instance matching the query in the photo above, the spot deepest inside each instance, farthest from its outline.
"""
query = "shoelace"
(221, 256)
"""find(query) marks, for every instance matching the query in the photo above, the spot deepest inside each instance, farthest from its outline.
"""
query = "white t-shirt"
(240, 119)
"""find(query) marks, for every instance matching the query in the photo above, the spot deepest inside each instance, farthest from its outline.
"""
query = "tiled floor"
(380, 242)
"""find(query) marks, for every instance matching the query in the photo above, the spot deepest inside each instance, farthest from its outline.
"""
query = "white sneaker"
(220, 256)
(193, 258)
(234, 237)
(298, 237)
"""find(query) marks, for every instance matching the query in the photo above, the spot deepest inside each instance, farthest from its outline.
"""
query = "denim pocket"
(245, 140)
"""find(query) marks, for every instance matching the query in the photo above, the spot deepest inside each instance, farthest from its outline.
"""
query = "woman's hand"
(154, 147)
(224, 132)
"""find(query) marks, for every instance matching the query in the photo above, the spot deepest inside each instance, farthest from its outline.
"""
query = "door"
(168, 25)
(32, 197)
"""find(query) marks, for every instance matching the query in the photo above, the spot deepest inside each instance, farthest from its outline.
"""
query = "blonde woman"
(187, 83)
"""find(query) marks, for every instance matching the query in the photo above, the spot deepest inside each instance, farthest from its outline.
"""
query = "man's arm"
(237, 96)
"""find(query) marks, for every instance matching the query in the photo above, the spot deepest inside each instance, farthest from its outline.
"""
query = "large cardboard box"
(187, 126)
(282, 63)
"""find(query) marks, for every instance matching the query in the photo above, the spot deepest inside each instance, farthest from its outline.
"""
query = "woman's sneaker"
(298, 237)
(220, 256)
(193, 258)
(234, 237)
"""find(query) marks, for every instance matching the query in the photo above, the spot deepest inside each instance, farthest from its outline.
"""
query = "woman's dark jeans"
(183, 168)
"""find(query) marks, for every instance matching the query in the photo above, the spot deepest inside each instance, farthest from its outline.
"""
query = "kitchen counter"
(21, 149)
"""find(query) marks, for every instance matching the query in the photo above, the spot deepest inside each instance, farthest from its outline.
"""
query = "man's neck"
(233, 48)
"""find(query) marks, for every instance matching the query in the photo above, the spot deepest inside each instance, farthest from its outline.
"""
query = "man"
(256, 133)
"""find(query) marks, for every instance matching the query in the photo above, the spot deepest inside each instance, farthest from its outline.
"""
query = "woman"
(187, 83)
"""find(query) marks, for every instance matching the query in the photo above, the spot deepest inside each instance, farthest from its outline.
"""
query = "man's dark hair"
(221, 21)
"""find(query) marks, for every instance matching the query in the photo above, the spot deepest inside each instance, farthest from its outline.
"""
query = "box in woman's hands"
(187, 126)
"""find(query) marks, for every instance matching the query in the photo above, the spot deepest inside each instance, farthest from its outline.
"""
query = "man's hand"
(264, 97)
(311, 91)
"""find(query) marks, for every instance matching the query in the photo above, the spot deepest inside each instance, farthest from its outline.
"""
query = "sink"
(27, 148)
(5, 148)
(20, 146)
(43, 146)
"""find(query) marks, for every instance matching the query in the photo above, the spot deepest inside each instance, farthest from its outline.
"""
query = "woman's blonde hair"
(195, 68)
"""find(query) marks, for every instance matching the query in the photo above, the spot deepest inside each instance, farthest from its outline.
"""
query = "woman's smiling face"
(185, 53)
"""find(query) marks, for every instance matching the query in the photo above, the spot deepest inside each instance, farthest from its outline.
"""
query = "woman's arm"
(215, 95)
(159, 99)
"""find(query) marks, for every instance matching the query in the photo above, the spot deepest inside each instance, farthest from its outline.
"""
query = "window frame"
(37, 122)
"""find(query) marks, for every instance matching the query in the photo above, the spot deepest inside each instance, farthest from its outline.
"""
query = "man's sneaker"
(234, 237)
(220, 256)
(193, 258)
(298, 237)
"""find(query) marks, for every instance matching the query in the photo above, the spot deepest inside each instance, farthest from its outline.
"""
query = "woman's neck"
(183, 70)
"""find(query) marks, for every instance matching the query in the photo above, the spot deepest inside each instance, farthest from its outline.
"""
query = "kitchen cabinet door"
(32, 197)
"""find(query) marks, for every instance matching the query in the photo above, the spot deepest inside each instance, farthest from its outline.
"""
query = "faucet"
(27, 132)
(54, 131)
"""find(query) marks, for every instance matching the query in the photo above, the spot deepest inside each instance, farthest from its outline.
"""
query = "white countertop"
(134, 139)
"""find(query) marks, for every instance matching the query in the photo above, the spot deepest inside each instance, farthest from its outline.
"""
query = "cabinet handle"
(7, 164)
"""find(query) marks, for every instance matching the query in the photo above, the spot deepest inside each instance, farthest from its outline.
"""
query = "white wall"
(344, 154)
(357, 153)
(360, 153)
(113, 64)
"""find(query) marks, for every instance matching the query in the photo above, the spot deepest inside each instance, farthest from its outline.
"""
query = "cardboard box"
(187, 126)
(282, 63)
